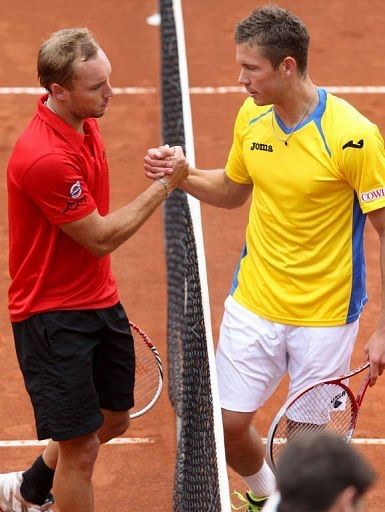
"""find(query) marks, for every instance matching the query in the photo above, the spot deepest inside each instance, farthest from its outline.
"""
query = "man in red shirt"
(72, 335)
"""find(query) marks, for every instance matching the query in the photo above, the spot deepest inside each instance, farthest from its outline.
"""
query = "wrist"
(165, 185)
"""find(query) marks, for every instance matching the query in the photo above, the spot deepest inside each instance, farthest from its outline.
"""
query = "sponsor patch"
(75, 190)
(74, 204)
(372, 195)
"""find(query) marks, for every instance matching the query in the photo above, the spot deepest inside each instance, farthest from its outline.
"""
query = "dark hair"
(315, 468)
(58, 54)
(278, 33)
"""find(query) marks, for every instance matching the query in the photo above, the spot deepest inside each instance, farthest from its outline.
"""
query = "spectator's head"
(322, 473)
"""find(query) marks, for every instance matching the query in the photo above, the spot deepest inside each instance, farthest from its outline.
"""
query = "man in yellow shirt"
(315, 168)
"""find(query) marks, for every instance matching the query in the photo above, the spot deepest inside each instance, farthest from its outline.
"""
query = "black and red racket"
(326, 405)
(148, 373)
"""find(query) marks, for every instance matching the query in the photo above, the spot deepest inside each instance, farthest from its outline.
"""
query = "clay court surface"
(347, 49)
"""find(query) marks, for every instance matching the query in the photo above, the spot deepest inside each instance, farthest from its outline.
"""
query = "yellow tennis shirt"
(303, 260)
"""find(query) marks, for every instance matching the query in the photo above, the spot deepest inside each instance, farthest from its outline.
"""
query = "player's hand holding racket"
(148, 373)
(326, 405)
(375, 353)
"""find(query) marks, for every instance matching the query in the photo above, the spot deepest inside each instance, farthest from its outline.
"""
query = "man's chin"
(99, 114)
(259, 101)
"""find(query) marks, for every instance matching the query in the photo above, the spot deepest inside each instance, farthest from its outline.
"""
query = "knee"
(80, 454)
(87, 455)
(114, 425)
(121, 425)
(235, 424)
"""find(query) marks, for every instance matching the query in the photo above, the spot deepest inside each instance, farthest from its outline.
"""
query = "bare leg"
(72, 485)
(115, 424)
(244, 448)
(50, 454)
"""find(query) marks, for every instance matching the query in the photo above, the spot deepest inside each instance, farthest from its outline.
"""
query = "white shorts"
(254, 354)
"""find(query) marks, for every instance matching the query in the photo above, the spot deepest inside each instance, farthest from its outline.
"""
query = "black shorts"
(74, 364)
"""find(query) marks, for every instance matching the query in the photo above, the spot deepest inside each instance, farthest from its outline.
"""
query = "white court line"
(362, 441)
(41, 90)
(149, 440)
(223, 89)
(342, 89)
(118, 440)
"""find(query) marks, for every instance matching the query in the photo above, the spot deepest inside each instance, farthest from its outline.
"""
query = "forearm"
(375, 347)
(103, 234)
(381, 323)
(211, 187)
(123, 223)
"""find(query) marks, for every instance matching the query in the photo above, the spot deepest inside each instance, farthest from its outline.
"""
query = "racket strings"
(148, 373)
(324, 407)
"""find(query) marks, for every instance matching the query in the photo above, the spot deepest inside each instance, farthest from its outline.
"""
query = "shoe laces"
(245, 503)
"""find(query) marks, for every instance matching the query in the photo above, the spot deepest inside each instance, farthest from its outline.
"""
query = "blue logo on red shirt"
(75, 190)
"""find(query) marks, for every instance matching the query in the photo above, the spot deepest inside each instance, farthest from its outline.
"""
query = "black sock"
(37, 482)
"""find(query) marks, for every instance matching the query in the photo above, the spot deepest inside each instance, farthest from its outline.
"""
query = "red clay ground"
(347, 40)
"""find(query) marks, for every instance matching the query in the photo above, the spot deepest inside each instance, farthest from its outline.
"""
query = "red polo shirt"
(56, 175)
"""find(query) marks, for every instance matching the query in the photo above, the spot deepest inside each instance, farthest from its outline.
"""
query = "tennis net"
(201, 483)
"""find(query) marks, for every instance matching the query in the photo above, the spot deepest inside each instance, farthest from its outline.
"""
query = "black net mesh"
(196, 477)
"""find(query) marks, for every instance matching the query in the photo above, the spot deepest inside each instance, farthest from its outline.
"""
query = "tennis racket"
(326, 405)
(148, 373)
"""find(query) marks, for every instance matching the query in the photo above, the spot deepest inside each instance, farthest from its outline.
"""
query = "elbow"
(235, 203)
(99, 252)
(100, 248)
(233, 206)
(106, 243)
(93, 234)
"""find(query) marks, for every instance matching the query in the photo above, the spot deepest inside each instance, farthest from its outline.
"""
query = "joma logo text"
(261, 147)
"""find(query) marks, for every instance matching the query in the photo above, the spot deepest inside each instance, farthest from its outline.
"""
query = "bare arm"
(103, 234)
(375, 348)
(215, 188)
(210, 186)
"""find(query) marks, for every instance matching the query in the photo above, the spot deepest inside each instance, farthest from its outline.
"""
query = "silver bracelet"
(165, 184)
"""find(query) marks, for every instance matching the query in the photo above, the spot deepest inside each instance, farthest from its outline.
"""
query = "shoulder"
(345, 126)
(345, 116)
(29, 163)
(250, 113)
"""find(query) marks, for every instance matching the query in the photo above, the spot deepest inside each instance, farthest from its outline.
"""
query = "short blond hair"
(55, 62)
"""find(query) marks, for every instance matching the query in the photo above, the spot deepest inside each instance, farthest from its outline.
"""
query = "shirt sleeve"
(58, 187)
(363, 163)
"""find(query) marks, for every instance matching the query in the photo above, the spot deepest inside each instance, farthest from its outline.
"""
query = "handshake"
(168, 165)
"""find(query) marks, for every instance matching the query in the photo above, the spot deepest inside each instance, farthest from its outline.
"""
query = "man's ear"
(345, 501)
(288, 66)
(58, 91)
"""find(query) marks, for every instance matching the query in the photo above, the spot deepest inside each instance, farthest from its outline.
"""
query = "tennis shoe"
(249, 502)
(11, 499)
